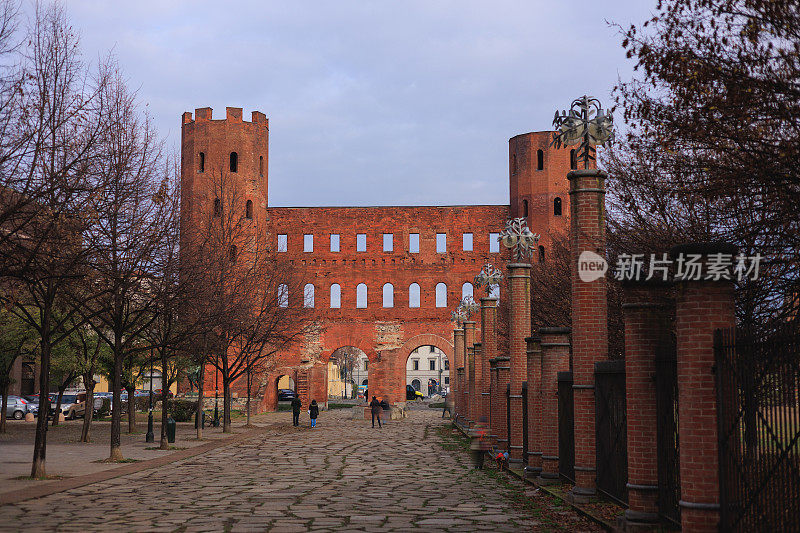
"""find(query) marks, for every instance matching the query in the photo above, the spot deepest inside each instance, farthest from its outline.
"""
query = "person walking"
(313, 412)
(375, 408)
(296, 411)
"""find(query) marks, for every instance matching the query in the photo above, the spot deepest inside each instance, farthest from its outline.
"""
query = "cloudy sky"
(370, 102)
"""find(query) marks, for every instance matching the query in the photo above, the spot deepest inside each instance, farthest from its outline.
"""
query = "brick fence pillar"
(469, 370)
(519, 287)
(701, 307)
(469, 346)
(477, 380)
(494, 416)
(534, 459)
(589, 319)
(503, 378)
(489, 350)
(555, 359)
(648, 311)
(462, 415)
(458, 362)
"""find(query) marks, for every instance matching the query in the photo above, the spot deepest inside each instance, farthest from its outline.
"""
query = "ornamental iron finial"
(586, 124)
(488, 277)
(458, 315)
(519, 238)
(469, 306)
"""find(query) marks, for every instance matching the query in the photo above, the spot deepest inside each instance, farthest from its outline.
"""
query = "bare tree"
(254, 296)
(128, 229)
(62, 116)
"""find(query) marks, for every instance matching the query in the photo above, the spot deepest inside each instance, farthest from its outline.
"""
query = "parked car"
(286, 394)
(157, 393)
(72, 406)
(16, 407)
(412, 393)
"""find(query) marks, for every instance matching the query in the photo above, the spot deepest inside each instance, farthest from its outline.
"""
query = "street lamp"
(150, 437)
(517, 237)
(585, 124)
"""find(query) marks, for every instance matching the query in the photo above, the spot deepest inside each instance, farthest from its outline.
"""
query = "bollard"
(170, 429)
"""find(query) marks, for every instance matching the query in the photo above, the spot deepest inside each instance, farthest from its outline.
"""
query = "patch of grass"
(452, 439)
(438, 405)
(284, 407)
(170, 448)
(126, 460)
(40, 478)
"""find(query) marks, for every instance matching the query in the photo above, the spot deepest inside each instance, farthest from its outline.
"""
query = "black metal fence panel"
(759, 429)
(566, 427)
(611, 430)
(669, 483)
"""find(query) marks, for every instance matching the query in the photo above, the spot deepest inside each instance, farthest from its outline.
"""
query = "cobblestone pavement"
(342, 476)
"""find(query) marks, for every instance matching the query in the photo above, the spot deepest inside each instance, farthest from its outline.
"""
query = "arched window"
(413, 295)
(248, 209)
(283, 295)
(557, 206)
(441, 295)
(202, 163)
(361, 296)
(539, 160)
(388, 295)
(525, 208)
(513, 164)
(541, 254)
(217, 207)
(336, 296)
(494, 291)
(415, 383)
(232, 253)
(573, 159)
(308, 295)
(466, 290)
(234, 162)
(261, 165)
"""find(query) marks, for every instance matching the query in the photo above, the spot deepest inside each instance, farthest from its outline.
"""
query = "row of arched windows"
(414, 295)
(233, 163)
(556, 207)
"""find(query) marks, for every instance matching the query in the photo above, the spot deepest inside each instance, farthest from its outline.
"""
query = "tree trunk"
(226, 406)
(200, 400)
(88, 411)
(3, 412)
(116, 405)
(40, 444)
(131, 410)
(248, 396)
(57, 414)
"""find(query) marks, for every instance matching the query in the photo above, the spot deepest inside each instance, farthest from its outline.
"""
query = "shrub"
(181, 410)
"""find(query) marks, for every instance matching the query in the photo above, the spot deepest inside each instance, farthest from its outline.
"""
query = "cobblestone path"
(341, 476)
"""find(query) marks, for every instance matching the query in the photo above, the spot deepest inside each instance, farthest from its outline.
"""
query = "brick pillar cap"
(586, 173)
(498, 359)
(533, 338)
(519, 265)
(555, 331)
(487, 299)
(458, 331)
(704, 248)
(470, 323)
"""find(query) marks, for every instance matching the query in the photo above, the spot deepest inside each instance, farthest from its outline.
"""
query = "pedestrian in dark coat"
(296, 411)
(313, 412)
(375, 408)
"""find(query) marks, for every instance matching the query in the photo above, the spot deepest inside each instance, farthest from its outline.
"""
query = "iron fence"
(757, 380)
(566, 427)
(611, 437)
(669, 482)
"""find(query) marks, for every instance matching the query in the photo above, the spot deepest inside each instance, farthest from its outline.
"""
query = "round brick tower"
(230, 150)
(538, 187)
